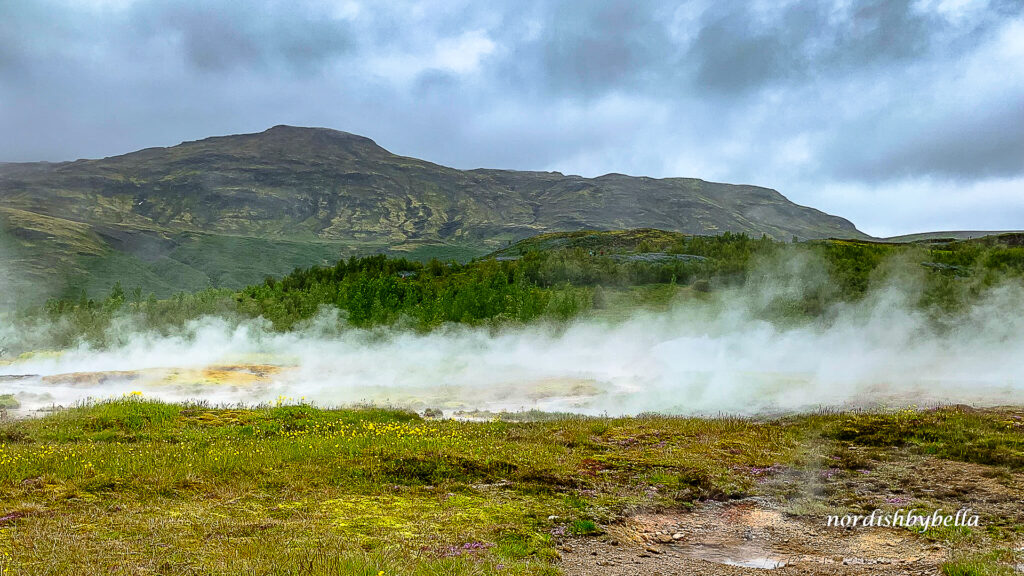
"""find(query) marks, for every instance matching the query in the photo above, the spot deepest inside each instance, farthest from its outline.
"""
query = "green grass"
(584, 528)
(133, 485)
(215, 484)
(199, 261)
(954, 433)
(443, 252)
(996, 563)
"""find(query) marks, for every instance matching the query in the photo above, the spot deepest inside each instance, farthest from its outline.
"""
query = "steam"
(702, 356)
(8, 288)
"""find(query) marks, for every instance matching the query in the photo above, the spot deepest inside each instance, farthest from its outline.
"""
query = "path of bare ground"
(785, 531)
(746, 538)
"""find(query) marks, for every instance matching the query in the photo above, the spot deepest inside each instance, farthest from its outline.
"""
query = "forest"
(558, 277)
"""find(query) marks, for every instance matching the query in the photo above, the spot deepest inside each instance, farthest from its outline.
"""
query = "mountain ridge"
(339, 194)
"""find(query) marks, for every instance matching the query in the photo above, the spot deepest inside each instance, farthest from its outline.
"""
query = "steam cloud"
(702, 356)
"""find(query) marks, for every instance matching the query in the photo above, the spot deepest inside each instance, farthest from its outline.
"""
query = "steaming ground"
(700, 357)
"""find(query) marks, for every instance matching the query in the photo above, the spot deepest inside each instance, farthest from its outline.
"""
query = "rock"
(677, 536)
(663, 538)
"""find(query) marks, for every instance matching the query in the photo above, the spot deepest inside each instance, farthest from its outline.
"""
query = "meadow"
(134, 486)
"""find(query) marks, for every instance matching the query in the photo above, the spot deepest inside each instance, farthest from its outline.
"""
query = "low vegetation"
(558, 277)
(959, 433)
(131, 485)
(997, 563)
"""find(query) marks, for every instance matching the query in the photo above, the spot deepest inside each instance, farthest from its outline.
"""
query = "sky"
(901, 116)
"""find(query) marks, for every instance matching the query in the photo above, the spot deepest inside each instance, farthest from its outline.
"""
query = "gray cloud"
(232, 34)
(856, 96)
(980, 143)
(593, 47)
(732, 53)
(739, 49)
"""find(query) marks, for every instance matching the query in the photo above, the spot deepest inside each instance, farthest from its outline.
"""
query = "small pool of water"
(744, 556)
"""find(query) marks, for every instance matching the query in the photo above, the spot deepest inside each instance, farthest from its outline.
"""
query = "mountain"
(951, 235)
(229, 210)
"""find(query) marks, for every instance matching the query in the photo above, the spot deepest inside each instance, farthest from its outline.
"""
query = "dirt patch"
(746, 537)
(224, 375)
(770, 534)
(228, 375)
(90, 378)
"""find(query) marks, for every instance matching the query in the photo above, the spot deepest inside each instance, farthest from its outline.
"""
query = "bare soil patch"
(746, 537)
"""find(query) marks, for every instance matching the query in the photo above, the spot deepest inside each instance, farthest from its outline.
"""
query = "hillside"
(951, 235)
(226, 211)
(557, 277)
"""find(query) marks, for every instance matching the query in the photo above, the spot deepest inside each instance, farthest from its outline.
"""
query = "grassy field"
(132, 486)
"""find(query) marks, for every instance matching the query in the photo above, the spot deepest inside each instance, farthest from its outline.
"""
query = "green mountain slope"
(951, 235)
(226, 211)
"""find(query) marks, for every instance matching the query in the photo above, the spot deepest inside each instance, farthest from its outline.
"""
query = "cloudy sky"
(902, 116)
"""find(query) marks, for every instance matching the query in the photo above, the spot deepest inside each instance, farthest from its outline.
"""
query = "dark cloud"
(739, 49)
(887, 30)
(594, 47)
(218, 36)
(804, 96)
(980, 143)
(732, 54)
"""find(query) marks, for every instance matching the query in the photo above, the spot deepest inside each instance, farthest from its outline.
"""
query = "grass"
(994, 563)
(215, 490)
(132, 485)
(954, 433)
(443, 252)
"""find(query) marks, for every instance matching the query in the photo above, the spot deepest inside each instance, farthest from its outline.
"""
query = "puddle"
(748, 556)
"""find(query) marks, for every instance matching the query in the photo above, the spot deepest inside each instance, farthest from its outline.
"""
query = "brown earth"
(784, 528)
(746, 537)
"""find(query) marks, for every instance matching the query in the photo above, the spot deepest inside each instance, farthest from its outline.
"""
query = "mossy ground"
(133, 486)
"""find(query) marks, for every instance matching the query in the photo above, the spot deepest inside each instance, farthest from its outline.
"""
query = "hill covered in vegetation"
(558, 277)
(226, 211)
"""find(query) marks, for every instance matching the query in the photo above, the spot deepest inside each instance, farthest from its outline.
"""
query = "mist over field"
(706, 355)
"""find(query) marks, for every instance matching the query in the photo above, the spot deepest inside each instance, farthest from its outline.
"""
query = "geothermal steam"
(702, 356)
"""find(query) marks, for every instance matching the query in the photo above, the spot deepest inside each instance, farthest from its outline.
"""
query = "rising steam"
(702, 356)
